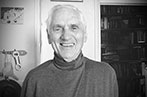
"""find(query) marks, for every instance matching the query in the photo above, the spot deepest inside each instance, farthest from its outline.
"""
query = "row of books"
(130, 38)
(117, 22)
(135, 53)
(127, 70)
(139, 36)
(120, 9)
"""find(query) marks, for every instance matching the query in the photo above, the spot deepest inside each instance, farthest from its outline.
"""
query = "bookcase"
(124, 45)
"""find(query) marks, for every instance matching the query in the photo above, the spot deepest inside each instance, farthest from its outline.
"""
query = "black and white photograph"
(73, 48)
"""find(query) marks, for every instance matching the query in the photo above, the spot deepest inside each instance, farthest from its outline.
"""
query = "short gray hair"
(55, 8)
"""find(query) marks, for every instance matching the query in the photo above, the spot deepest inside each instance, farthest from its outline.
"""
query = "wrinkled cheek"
(55, 46)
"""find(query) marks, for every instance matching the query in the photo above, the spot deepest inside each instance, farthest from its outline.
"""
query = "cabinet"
(124, 45)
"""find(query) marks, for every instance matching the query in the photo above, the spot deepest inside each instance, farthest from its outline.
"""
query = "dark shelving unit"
(124, 45)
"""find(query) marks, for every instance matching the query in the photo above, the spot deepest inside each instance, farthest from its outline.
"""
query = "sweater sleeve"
(115, 86)
(28, 87)
(112, 81)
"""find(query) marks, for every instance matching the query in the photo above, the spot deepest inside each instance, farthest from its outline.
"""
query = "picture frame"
(67, 0)
(12, 15)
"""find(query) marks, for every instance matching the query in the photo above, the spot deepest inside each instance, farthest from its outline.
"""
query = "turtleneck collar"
(60, 63)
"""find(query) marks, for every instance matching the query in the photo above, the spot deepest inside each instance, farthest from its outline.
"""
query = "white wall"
(88, 9)
(20, 37)
(26, 36)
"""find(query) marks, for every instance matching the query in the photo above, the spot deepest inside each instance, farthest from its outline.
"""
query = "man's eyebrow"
(57, 25)
(75, 25)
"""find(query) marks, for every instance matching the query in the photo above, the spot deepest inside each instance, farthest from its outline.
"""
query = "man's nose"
(66, 34)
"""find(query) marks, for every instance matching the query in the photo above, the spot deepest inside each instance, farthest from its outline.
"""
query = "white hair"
(57, 7)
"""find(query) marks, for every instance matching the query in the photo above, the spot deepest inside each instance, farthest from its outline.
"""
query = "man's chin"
(68, 58)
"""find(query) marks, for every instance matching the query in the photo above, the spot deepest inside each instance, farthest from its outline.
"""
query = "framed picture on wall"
(12, 15)
(68, 0)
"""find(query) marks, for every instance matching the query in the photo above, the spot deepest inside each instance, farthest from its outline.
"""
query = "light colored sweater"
(80, 78)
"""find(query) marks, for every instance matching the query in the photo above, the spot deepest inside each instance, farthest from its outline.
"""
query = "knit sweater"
(80, 78)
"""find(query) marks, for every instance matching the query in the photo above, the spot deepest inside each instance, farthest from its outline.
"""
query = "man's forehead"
(66, 12)
(65, 15)
(68, 22)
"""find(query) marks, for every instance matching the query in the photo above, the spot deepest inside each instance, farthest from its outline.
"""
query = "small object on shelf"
(141, 37)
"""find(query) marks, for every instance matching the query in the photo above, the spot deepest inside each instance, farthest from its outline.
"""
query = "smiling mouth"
(67, 44)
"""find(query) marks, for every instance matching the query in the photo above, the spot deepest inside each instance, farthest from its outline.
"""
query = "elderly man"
(69, 74)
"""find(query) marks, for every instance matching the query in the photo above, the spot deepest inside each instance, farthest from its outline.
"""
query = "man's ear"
(48, 35)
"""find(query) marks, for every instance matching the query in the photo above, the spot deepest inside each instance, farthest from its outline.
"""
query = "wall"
(20, 36)
(26, 36)
(88, 9)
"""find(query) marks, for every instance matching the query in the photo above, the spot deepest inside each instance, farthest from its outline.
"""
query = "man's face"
(67, 34)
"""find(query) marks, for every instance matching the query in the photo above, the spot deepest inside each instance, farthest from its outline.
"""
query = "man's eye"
(57, 29)
(74, 27)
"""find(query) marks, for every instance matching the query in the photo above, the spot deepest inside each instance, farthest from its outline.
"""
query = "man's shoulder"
(39, 70)
(98, 66)
(42, 66)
